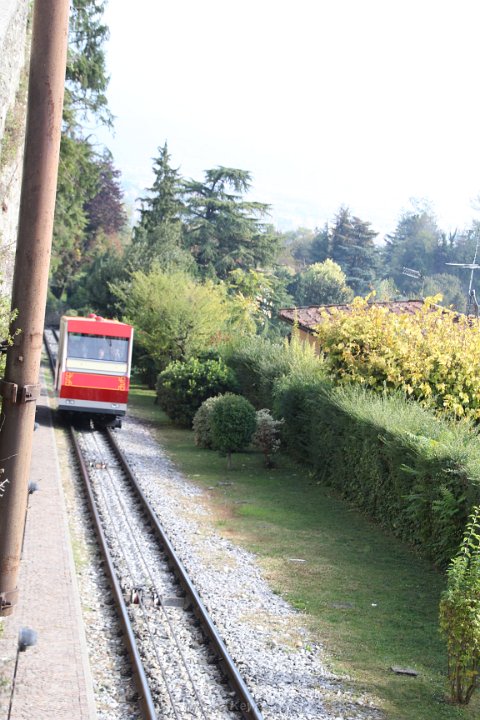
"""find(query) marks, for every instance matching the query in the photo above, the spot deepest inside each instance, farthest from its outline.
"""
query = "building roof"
(309, 317)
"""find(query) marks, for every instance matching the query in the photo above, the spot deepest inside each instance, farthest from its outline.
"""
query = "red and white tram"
(94, 360)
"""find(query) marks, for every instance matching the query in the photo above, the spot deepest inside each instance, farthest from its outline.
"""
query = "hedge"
(414, 473)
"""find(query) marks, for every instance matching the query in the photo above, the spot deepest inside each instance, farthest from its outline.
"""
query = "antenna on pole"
(416, 274)
(472, 303)
(412, 273)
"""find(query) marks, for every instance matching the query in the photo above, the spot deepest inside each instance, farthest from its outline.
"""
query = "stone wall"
(14, 17)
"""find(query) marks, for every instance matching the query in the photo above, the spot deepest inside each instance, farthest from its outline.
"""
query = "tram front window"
(93, 347)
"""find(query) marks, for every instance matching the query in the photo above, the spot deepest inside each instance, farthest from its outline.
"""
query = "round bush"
(202, 431)
(232, 423)
(183, 386)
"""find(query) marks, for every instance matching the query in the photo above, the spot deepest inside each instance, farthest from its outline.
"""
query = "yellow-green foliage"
(175, 317)
(432, 356)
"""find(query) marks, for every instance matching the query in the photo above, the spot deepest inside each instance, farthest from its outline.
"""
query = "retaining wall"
(14, 16)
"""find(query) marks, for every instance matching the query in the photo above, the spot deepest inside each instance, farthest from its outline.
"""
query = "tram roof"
(96, 325)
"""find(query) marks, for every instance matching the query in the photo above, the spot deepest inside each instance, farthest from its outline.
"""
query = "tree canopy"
(322, 284)
(176, 316)
(89, 212)
(211, 228)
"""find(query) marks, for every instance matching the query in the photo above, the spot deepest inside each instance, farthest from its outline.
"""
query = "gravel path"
(283, 668)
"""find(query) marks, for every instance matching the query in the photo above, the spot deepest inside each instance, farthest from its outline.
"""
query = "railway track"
(50, 337)
(180, 665)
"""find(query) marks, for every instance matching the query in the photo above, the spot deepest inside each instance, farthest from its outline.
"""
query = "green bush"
(414, 473)
(183, 386)
(460, 615)
(202, 431)
(232, 424)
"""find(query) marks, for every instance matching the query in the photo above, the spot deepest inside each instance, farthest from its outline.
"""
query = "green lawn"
(368, 599)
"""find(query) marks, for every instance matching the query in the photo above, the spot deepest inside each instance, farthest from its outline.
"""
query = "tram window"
(119, 349)
(94, 347)
(77, 346)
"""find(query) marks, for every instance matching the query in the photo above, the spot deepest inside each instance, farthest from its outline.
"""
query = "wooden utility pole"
(20, 388)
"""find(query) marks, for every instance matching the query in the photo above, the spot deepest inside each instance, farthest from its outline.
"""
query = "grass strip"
(367, 598)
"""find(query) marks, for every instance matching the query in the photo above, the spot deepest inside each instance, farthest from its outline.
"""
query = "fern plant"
(460, 614)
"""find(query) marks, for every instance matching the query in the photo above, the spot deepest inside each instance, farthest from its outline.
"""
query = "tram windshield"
(97, 347)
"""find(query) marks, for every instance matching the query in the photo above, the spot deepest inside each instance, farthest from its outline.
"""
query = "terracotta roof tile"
(309, 317)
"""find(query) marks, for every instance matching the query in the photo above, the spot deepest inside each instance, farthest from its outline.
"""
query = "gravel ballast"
(284, 669)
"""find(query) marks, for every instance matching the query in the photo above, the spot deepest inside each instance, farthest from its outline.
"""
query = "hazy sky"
(365, 103)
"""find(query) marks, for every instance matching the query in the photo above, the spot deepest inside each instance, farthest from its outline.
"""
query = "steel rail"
(246, 706)
(146, 704)
(145, 701)
(51, 357)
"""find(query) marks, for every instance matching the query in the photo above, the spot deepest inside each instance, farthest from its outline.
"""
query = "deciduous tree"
(417, 243)
(322, 284)
(176, 317)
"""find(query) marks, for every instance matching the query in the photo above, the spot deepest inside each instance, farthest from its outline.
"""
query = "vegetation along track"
(180, 665)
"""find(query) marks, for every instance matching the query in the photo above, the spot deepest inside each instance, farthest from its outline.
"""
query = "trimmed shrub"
(202, 431)
(267, 435)
(232, 423)
(460, 615)
(183, 386)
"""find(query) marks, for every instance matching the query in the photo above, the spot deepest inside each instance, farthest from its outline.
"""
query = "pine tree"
(163, 205)
(224, 231)
(158, 235)
(86, 75)
(351, 245)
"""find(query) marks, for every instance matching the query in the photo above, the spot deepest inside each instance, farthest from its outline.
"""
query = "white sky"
(365, 103)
